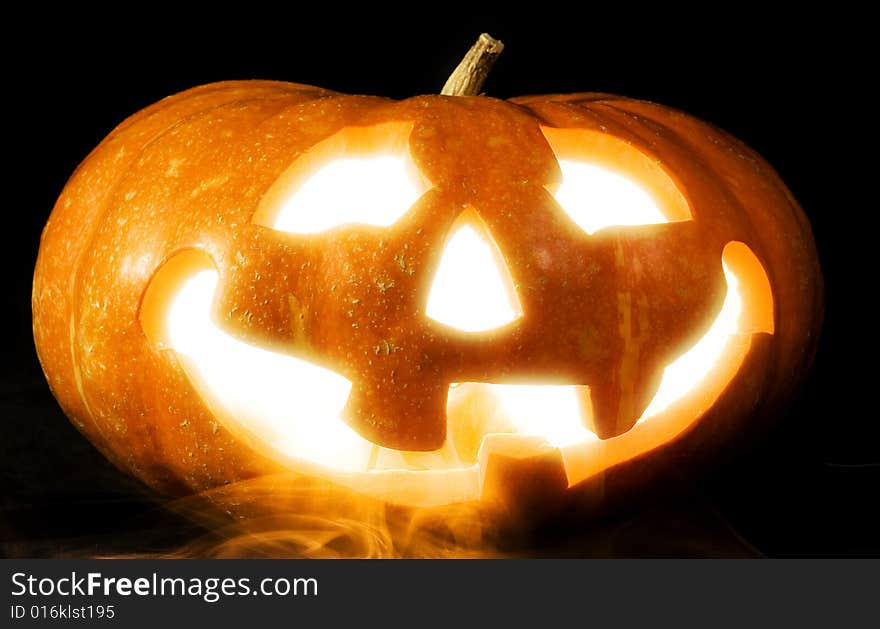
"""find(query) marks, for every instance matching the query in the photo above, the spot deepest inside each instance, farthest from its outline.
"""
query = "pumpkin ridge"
(813, 308)
(98, 217)
(207, 90)
(796, 212)
(694, 155)
(797, 215)
(102, 214)
(124, 173)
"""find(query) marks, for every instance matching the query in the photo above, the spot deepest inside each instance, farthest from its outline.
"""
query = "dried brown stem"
(468, 78)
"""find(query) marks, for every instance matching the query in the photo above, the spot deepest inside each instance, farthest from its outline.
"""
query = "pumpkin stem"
(467, 79)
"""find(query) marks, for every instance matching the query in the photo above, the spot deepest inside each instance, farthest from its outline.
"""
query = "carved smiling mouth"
(314, 420)
(291, 409)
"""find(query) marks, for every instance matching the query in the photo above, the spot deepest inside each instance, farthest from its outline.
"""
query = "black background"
(795, 87)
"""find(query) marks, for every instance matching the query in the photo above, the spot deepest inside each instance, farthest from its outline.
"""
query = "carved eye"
(360, 175)
(607, 182)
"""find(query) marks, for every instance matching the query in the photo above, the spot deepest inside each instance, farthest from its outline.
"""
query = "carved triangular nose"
(472, 289)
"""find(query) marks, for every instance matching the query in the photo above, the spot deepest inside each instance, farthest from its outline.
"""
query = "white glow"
(374, 190)
(469, 291)
(288, 403)
(549, 411)
(688, 371)
(595, 197)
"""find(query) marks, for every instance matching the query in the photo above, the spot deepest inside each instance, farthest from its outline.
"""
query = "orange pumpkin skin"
(190, 171)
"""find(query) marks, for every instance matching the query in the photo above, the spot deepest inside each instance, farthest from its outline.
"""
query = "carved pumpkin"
(428, 301)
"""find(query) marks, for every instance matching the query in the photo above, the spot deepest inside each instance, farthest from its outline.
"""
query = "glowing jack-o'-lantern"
(416, 299)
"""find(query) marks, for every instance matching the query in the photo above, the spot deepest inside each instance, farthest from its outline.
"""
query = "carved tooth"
(617, 403)
(403, 419)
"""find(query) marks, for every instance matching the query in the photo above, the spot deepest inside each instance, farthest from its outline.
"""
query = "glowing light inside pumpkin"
(687, 372)
(372, 190)
(549, 411)
(595, 197)
(253, 385)
(472, 290)
(291, 408)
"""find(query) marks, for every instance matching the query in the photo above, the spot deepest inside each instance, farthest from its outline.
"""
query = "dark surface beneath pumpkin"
(61, 498)
(806, 489)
